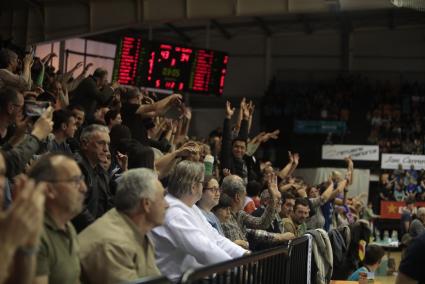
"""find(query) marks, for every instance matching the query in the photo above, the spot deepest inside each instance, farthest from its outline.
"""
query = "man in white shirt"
(187, 240)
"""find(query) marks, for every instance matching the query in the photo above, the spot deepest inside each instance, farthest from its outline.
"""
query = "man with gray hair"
(115, 248)
(187, 240)
(94, 143)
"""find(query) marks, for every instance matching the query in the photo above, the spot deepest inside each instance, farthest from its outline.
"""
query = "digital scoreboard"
(170, 67)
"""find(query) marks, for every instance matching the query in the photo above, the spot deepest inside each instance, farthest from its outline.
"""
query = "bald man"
(57, 259)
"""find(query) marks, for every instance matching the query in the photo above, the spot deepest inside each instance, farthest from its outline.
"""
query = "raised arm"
(160, 107)
(226, 143)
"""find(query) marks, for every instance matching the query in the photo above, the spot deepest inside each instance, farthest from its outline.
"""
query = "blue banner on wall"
(319, 126)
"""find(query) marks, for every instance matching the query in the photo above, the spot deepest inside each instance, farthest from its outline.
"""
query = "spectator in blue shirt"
(374, 254)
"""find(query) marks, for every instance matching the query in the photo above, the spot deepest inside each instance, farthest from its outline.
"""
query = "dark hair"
(287, 195)
(253, 188)
(6, 56)
(129, 94)
(239, 139)
(207, 180)
(117, 134)
(61, 116)
(140, 156)
(301, 201)
(99, 73)
(224, 202)
(76, 107)
(374, 254)
(110, 115)
(7, 95)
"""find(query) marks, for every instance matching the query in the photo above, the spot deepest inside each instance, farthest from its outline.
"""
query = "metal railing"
(151, 280)
(285, 264)
(282, 265)
(299, 265)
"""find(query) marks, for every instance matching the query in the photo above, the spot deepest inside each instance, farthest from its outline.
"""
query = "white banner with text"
(357, 152)
(391, 161)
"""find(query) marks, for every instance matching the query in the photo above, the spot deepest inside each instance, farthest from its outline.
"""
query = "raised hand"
(296, 158)
(22, 223)
(251, 108)
(291, 157)
(226, 172)
(87, 67)
(44, 125)
(28, 59)
(78, 65)
(229, 110)
(122, 161)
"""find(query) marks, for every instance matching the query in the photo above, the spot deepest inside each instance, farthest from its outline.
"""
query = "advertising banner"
(357, 152)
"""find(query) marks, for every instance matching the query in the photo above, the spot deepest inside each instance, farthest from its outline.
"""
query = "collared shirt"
(58, 255)
(112, 250)
(187, 240)
(213, 220)
(54, 146)
(235, 227)
(289, 226)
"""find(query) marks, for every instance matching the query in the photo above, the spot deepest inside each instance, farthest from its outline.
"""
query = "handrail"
(150, 280)
(225, 266)
(280, 265)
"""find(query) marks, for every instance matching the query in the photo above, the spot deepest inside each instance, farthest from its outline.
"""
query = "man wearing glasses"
(57, 257)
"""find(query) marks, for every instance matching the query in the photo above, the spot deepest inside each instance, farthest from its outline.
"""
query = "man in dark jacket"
(94, 148)
(93, 91)
(233, 151)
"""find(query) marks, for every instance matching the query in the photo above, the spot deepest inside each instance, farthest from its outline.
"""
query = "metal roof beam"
(225, 33)
(179, 32)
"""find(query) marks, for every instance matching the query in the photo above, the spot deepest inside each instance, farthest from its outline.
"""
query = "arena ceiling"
(35, 21)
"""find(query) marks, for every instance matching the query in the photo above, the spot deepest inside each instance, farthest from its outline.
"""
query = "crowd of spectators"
(395, 118)
(326, 100)
(98, 186)
(401, 185)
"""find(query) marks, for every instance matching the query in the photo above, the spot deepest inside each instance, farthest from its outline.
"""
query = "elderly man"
(94, 149)
(240, 224)
(187, 240)
(115, 248)
(57, 258)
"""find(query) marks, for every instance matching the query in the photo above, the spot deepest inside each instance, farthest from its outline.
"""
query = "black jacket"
(89, 96)
(98, 197)
(17, 158)
(236, 166)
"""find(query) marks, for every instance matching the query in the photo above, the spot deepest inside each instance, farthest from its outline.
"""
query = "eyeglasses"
(18, 105)
(75, 180)
(213, 189)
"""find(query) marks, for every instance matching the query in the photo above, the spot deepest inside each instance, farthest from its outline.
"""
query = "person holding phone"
(9, 63)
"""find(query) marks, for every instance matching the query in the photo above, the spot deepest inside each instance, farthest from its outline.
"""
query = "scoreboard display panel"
(170, 67)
